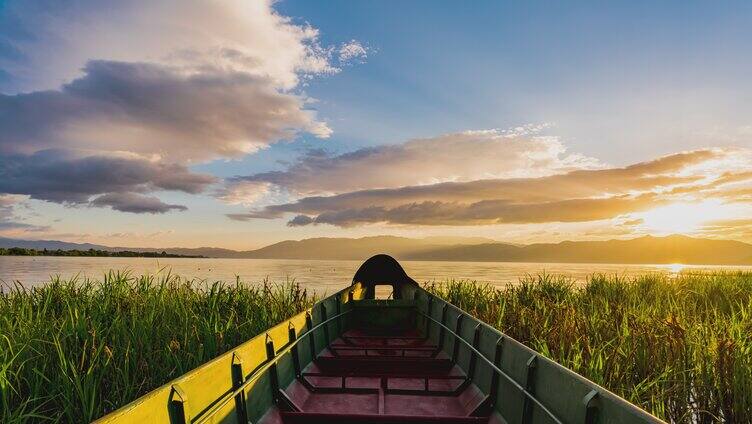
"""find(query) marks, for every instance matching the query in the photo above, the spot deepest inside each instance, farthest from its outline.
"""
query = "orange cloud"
(576, 196)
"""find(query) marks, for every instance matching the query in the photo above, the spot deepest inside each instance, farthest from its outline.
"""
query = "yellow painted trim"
(208, 382)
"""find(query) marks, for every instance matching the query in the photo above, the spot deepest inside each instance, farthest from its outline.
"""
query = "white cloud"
(113, 89)
(352, 51)
(464, 156)
(232, 35)
(244, 192)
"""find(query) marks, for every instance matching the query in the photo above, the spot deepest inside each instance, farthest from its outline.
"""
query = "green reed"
(679, 347)
(71, 351)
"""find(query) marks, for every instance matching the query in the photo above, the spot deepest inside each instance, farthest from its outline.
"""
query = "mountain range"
(647, 249)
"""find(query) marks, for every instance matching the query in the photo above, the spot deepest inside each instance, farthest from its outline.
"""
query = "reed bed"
(680, 347)
(71, 351)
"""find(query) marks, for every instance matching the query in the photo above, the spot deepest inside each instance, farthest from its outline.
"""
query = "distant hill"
(22, 251)
(213, 252)
(647, 250)
(49, 244)
(209, 252)
(360, 248)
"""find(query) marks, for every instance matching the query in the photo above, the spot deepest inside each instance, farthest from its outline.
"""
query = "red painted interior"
(381, 379)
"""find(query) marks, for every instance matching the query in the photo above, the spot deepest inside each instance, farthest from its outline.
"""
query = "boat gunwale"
(218, 404)
(570, 373)
(345, 296)
(508, 377)
(109, 417)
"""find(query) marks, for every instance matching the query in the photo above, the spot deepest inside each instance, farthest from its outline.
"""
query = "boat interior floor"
(368, 378)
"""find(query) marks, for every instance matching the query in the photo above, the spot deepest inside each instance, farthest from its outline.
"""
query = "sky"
(245, 122)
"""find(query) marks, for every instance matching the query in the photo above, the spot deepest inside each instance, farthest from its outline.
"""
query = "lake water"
(319, 275)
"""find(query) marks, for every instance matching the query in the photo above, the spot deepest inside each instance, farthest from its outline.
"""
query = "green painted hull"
(241, 386)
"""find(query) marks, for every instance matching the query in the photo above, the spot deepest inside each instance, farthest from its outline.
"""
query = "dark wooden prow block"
(385, 270)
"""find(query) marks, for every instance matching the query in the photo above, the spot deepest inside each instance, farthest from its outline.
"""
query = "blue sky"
(589, 68)
(620, 82)
(590, 87)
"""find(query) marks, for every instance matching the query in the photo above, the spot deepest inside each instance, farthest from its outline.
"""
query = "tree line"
(20, 251)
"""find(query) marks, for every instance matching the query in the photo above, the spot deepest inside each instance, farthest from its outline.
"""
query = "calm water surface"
(319, 275)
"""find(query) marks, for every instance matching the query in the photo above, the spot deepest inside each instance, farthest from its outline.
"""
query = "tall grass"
(71, 351)
(680, 347)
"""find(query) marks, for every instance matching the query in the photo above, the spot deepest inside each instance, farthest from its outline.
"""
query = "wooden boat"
(356, 359)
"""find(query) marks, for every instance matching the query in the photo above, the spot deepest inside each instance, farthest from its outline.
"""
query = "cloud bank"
(147, 92)
(135, 203)
(67, 177)
(155, 110)
(464, 156)
(9, 220)
(575, 196)
(48, 43)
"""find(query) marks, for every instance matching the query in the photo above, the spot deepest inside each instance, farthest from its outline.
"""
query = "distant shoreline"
(19, 251)
(647, 250)
(594, 261)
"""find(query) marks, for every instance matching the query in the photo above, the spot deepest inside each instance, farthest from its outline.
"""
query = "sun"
(675, 268)
(683, 218)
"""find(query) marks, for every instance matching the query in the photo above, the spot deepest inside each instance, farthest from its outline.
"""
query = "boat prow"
(353, 358)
